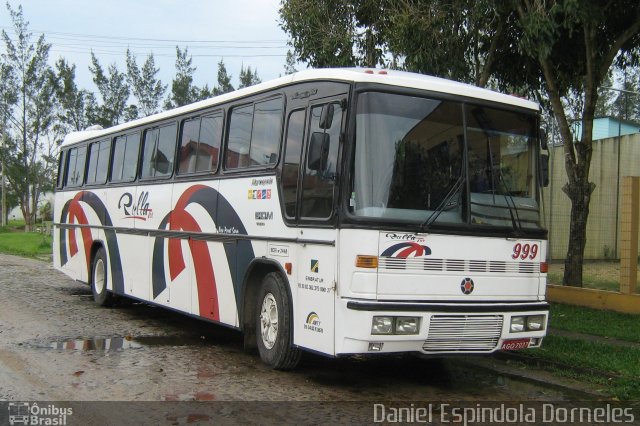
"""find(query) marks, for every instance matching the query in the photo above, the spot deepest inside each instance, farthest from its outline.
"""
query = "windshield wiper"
(515, 220)
(447, 199)
(517, 225)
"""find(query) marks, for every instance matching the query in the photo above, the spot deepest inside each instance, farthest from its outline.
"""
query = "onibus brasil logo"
(26, 413)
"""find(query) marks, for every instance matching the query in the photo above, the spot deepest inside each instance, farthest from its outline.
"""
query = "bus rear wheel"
(99, 279)
(274, 325)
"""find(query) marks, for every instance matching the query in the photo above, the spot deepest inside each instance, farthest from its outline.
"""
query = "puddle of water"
(110, 344)
(117, 344)
(198, 396)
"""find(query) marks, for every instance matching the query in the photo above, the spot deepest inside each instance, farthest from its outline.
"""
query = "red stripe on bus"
(181, 220)
(76, 212)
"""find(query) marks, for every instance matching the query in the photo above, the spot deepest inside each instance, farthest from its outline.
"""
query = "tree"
(183, 91)
(224, 80)
(290, 63)
(114, 92)
(8, 98)
(335, 32)
(574, 44)
(28, 166)
(146, 88)
(549, 48)
(73, 103)
(248, 77)
(204, 93)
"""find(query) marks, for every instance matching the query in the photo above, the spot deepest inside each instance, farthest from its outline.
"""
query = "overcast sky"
(239, 31)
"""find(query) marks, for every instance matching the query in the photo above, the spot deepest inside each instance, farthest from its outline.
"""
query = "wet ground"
(57, 345)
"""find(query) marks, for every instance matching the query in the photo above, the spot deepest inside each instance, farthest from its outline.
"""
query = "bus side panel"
(79, 210)
(153, 211)
(64, 258)
(209, 287)
(316, 295)
(125, 249)
(238, 203)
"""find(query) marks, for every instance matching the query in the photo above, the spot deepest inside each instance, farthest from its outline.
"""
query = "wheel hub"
(269, 321)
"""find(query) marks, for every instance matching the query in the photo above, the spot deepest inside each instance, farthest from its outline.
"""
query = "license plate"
(514, 345)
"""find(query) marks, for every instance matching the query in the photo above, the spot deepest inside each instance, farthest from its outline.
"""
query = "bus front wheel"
(274, 325)
(99, 279)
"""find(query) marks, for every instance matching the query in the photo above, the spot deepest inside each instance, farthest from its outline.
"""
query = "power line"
(167, 55)
(129, 39)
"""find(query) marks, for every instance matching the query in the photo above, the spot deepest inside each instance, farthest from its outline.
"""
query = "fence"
(625, 298)
(612, 159)
(607, 231)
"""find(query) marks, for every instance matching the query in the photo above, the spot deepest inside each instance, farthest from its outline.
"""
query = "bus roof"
(364, 75)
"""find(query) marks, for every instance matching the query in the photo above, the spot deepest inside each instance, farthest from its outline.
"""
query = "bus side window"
(98, 162)
(319, 179)
(76, 165)
(188, 152)
(159, 150)
(125, 157)
(254, 134)
(209, 147)
(265, 137)
(200, 145)
(62, 168)
(240, 122)
(291, 168)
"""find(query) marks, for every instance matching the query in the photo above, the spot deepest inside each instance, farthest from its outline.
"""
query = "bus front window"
(408, 160)
(413, 164)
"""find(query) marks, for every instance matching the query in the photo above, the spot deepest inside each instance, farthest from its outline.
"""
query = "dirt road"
(57, 345)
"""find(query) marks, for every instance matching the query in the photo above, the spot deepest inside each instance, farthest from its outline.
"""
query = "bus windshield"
(439, 162)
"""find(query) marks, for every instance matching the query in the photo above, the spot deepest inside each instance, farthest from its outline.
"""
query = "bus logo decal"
(259, 194)
(407, 249)
(467, 286)
(140, 210)
(315, 266)
(313, 323)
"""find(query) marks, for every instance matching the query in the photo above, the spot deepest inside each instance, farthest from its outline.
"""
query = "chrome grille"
(457, 265)
(452, 333)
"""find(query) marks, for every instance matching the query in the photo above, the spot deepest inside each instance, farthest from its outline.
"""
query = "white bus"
(346, 211)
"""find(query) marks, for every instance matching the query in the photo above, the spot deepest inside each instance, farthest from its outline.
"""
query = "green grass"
(615, 368)
(596, 322)
(28, 244)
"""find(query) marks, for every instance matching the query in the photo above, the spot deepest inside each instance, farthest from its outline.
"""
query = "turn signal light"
(544, 267)
(363, 261)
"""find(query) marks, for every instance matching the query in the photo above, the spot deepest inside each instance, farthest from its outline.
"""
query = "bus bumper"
(438, 328)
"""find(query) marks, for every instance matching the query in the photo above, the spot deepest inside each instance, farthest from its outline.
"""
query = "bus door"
(317, 259)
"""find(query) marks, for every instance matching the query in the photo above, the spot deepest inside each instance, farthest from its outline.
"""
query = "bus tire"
(99, 269)
(274, 325)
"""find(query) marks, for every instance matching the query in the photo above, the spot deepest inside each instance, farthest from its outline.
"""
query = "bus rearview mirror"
(318, 151)
(326, 116)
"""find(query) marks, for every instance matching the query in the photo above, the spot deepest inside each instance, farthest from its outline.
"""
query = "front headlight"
(535, 322)
(517, 324)
(407, 325)
(382, 325)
